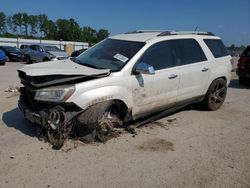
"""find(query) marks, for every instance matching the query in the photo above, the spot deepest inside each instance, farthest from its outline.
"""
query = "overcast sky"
(226, 18)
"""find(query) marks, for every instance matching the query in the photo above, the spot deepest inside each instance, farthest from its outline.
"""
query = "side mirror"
(144, 68)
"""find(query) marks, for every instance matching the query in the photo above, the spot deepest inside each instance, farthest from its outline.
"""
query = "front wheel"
(216, 95)
(98, 121)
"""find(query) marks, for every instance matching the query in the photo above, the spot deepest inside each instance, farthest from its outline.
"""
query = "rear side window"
(217, 47)
(187, 51)
(33, 47)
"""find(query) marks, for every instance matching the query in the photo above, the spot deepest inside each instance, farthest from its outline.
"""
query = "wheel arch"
(120, 95)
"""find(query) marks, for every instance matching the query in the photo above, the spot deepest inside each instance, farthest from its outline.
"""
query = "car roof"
(7, 46)
(148, 35)
(37, 44)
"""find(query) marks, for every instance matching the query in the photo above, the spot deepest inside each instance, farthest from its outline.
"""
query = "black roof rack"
(165, 33)
(171, 32)
(145, 31)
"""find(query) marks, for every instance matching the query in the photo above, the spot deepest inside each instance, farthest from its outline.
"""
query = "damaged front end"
(55, 120)
(42, 102)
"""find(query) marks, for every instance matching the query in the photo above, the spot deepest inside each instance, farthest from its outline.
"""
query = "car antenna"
(196, 28)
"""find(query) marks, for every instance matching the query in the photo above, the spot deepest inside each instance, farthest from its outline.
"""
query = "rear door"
(193, 69)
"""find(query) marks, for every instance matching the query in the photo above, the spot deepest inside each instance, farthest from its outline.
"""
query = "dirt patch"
(156, 144)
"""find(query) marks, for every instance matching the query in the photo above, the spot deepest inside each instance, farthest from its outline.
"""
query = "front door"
(158, 91)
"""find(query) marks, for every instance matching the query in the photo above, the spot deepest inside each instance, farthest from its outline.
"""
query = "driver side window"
(160, 56)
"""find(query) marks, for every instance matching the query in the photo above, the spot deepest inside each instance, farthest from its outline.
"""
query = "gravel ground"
(191, 148)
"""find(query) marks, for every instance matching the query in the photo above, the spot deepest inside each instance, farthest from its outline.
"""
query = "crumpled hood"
(59, 53)
(61, 67)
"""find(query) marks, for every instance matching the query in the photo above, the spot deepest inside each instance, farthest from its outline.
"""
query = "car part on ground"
(243, 69)
(122, 79)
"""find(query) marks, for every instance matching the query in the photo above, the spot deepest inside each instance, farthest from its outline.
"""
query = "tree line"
(40, 26)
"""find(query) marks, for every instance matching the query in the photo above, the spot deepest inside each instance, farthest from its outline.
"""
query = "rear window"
(217, 47)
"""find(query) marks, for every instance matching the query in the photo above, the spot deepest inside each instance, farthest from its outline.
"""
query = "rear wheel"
(28, 60)
(216, 95)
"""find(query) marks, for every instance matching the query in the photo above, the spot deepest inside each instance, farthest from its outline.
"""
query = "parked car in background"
(13, 53)
(123, 78)
(40, 53)
(243, 69)
(78, 52)
(23, 47)
(2, 57)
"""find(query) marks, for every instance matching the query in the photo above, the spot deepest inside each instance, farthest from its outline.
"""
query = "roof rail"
(165, 33)
(171, 32)
(147, 31)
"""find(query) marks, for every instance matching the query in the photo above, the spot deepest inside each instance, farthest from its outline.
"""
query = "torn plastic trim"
(34, 80)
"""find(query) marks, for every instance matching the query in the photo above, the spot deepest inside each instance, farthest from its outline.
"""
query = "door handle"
(205, 69)
(172, 76)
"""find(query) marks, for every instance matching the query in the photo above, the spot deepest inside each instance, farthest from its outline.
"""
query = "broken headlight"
(54, 94)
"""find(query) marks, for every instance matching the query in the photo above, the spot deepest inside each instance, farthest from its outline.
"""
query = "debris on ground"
(156, 144)
(171, 120)
(12, 89)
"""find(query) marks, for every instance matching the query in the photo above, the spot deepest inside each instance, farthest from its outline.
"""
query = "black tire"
(45, 59)
(216, 95)
(242, 80)
(99, 121)
(2, 63)
(28, 60)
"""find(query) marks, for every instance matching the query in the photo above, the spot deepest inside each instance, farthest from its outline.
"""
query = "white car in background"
(123, 78)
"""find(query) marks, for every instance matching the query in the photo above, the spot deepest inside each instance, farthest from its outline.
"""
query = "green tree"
(232, 47)
(68, 29)
(33, 22)
(51, 32)
(42, 24)
(102, 34)
(2, 23)
(36, 26)
(11, 25)
(88, 35)
(17, 21)
(25, 22)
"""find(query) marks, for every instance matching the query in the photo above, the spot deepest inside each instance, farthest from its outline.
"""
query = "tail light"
(242, 62)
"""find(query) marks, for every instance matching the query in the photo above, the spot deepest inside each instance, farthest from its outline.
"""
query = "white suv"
(123, 78)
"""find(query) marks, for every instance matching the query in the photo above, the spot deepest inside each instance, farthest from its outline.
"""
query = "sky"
(229, 19)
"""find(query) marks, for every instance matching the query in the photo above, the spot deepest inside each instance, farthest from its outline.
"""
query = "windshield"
(109, 54)
(51, 48)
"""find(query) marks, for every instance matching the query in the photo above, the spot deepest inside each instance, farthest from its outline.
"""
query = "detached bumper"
(30, 115)
(49, 114)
